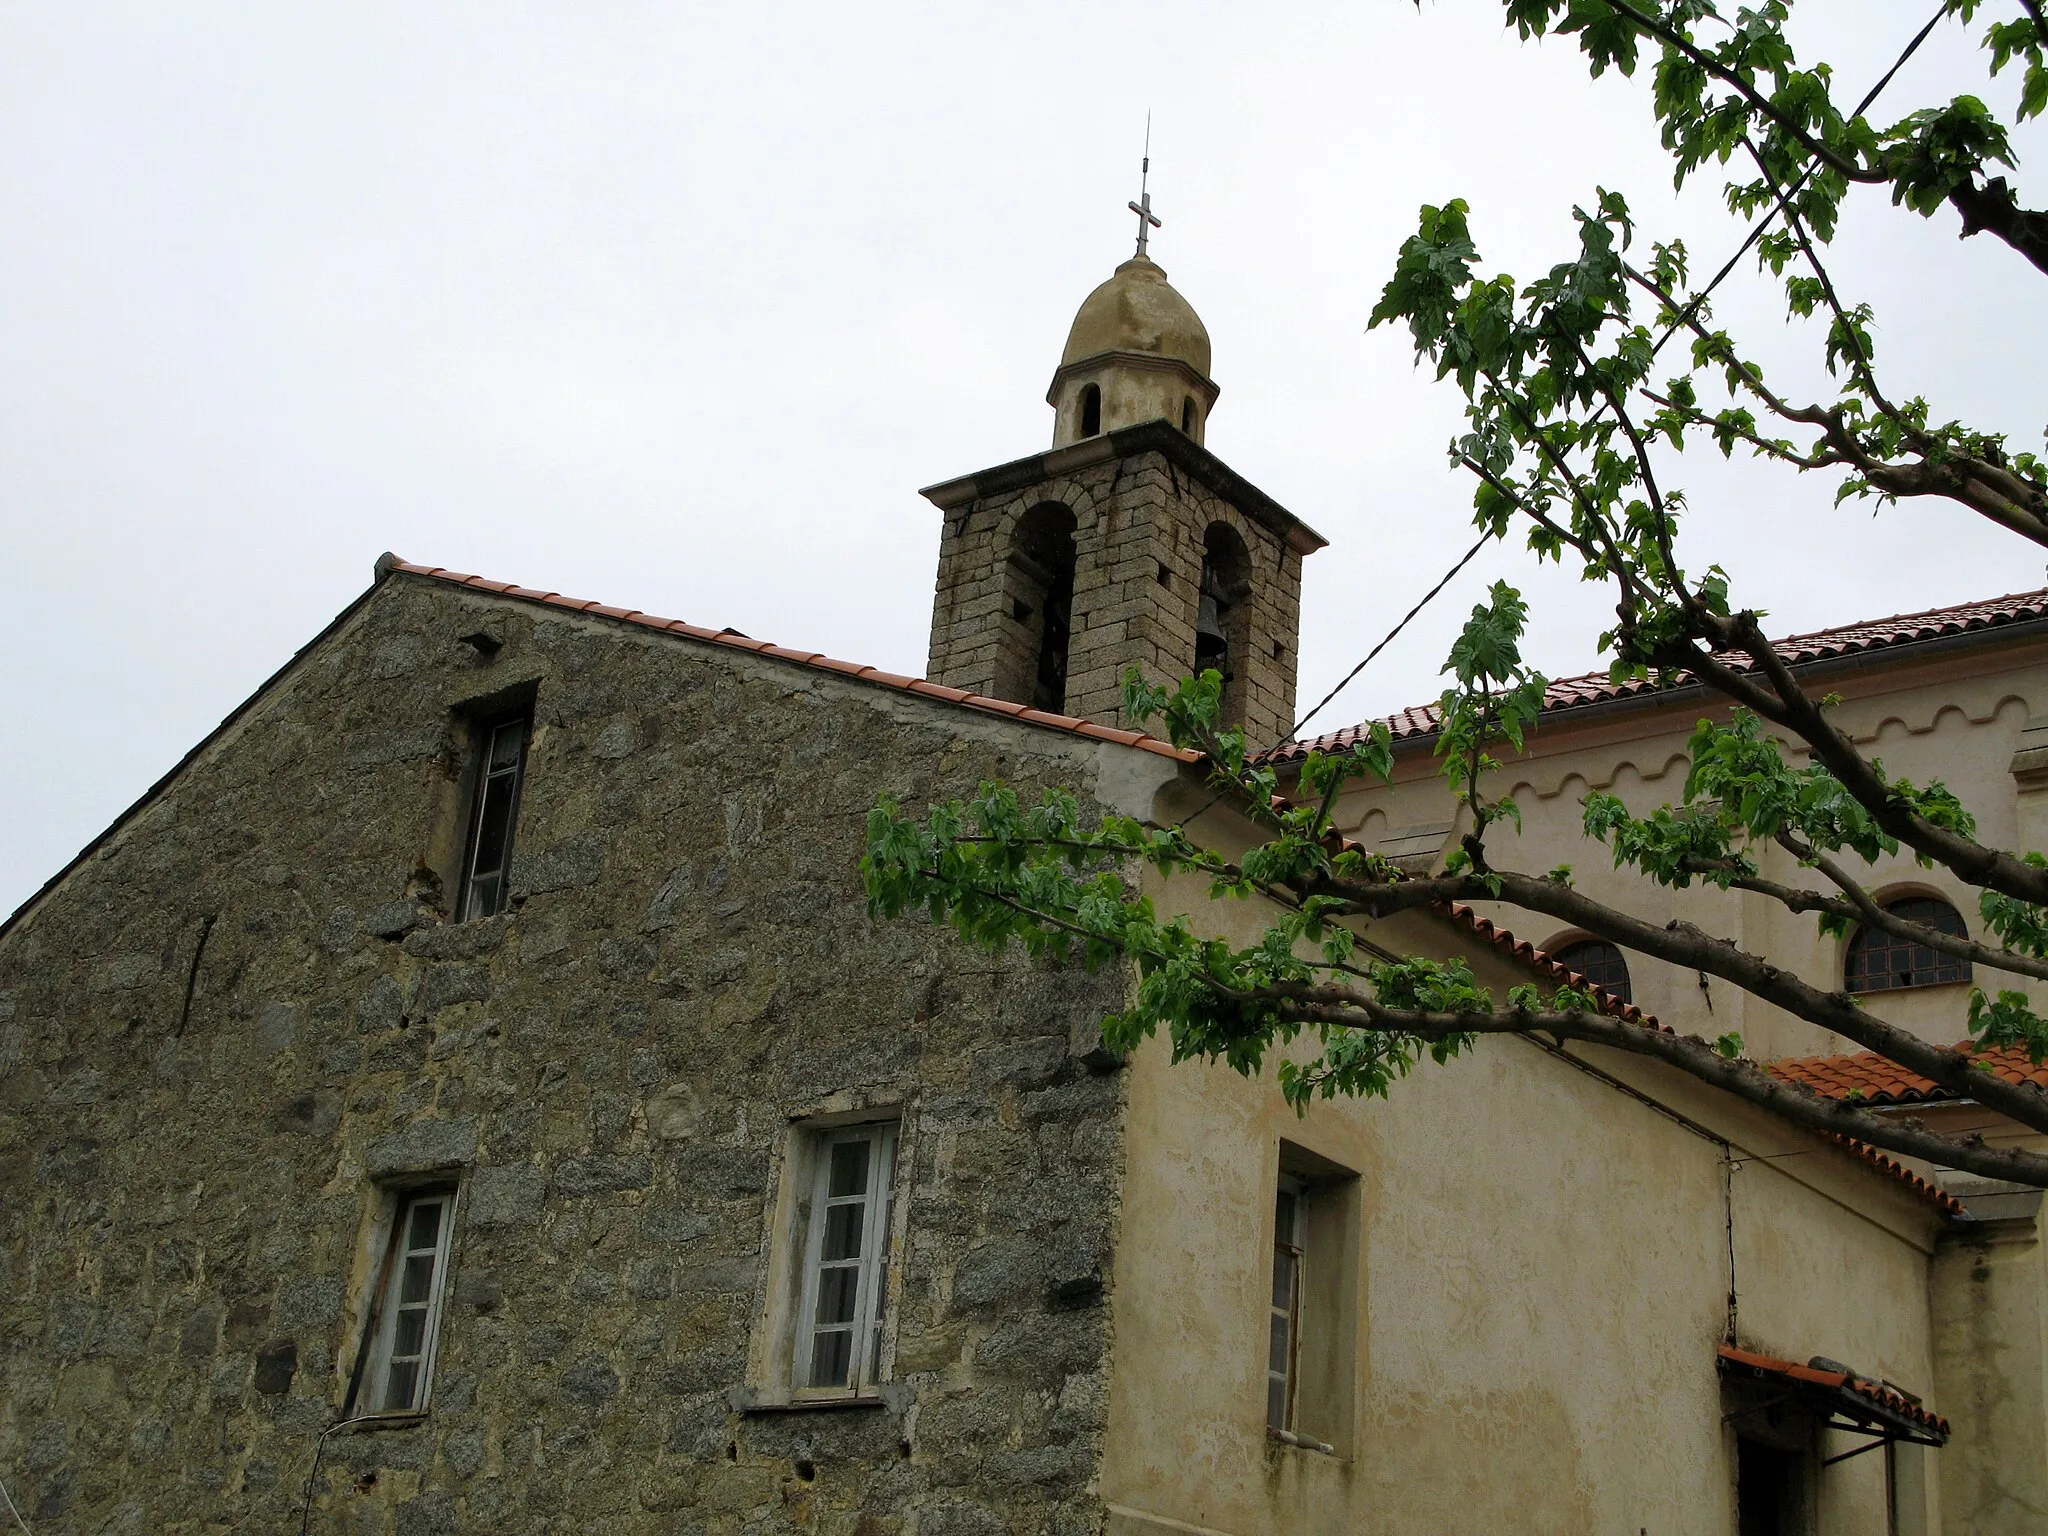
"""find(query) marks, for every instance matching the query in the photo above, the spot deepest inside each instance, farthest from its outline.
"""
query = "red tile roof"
(1821, 645)
(1826, 1377)
(815, 659)
(1876, 1079)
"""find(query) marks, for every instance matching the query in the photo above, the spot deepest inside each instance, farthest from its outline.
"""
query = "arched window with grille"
(1883, 962)
(1599, 962)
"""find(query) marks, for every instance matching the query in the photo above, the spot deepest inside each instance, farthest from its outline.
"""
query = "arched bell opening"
(1039, 586)
(1223, 613)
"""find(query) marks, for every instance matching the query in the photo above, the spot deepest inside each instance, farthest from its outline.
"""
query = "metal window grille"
(1283, 1344)
(1599, 962)
(1883, 962)
(846, 1274)
(409, 1318)
(485, 884)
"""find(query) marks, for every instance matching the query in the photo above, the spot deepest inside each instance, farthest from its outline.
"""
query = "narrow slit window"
(1187, 416)
(846, 1273)
(486, 884)
(1091, 411)
(1283, 1344)
(408, 1322)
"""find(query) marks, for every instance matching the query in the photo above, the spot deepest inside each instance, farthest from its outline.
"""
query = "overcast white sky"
(677, 305)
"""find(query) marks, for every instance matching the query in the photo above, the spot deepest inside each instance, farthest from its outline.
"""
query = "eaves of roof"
(1554, 970)
(817, 661)
(1914, 635)
(389, 565)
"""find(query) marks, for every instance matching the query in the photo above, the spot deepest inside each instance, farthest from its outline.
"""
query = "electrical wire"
(4, 1494)
(1464, 560)
(319, 1450)
(1755, 234)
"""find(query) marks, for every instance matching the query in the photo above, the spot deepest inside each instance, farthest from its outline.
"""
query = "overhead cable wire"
(1464, 560)
(1692, 306)
(4, 1494)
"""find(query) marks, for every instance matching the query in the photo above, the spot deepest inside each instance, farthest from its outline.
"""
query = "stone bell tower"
(1127, 543)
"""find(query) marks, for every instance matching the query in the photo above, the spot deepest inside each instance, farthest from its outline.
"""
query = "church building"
(467, 1094)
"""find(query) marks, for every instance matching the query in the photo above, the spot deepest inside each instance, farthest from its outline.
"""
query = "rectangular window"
(846, 1259)
(501, 766)
(1311, 1322)
(1284, 1325)
(408, 1321)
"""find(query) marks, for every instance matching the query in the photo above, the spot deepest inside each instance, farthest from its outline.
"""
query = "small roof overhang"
(1839, 1397)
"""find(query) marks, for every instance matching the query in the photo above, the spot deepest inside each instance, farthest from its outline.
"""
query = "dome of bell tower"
(1137, 351)
(1138, 310)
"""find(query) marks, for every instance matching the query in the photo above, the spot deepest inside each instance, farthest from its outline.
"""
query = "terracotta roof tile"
(1822, 1374)
(1821, 645)
(1878, 1080)
(738, 641)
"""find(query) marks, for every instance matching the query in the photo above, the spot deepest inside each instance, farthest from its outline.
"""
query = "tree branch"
(1688, 947)
(1857, 905)
(1746, 1081)
(1783, 452)
(1865, 374)
(1760, 104)
(1786, 703)
(1991, 490)
(1993, 207)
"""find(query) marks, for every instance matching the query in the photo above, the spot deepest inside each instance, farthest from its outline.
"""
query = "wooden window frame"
(488, 774)
(1290, 1249)
(381, 1335)
(877, 1199)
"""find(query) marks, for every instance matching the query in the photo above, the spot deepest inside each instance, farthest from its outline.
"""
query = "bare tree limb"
(1690, 948)
(1856, 905)
(1993, 208)
(1784, 702)
(1335, 1007)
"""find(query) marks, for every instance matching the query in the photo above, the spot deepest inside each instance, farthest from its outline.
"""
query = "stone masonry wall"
(1134, 517)
(222, 1030)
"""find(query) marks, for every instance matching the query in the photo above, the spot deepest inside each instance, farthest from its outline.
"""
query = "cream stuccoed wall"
(1991, 1347)
(1540, 1280)
(1959, 716)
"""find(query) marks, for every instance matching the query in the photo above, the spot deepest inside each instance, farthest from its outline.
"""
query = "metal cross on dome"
(1147, 221)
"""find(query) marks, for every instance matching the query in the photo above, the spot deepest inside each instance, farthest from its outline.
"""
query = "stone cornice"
(1207, 387)
(1160, 437)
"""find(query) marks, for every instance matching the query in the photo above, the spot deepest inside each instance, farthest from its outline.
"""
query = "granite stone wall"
(243, 1017)
(1140, 523)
